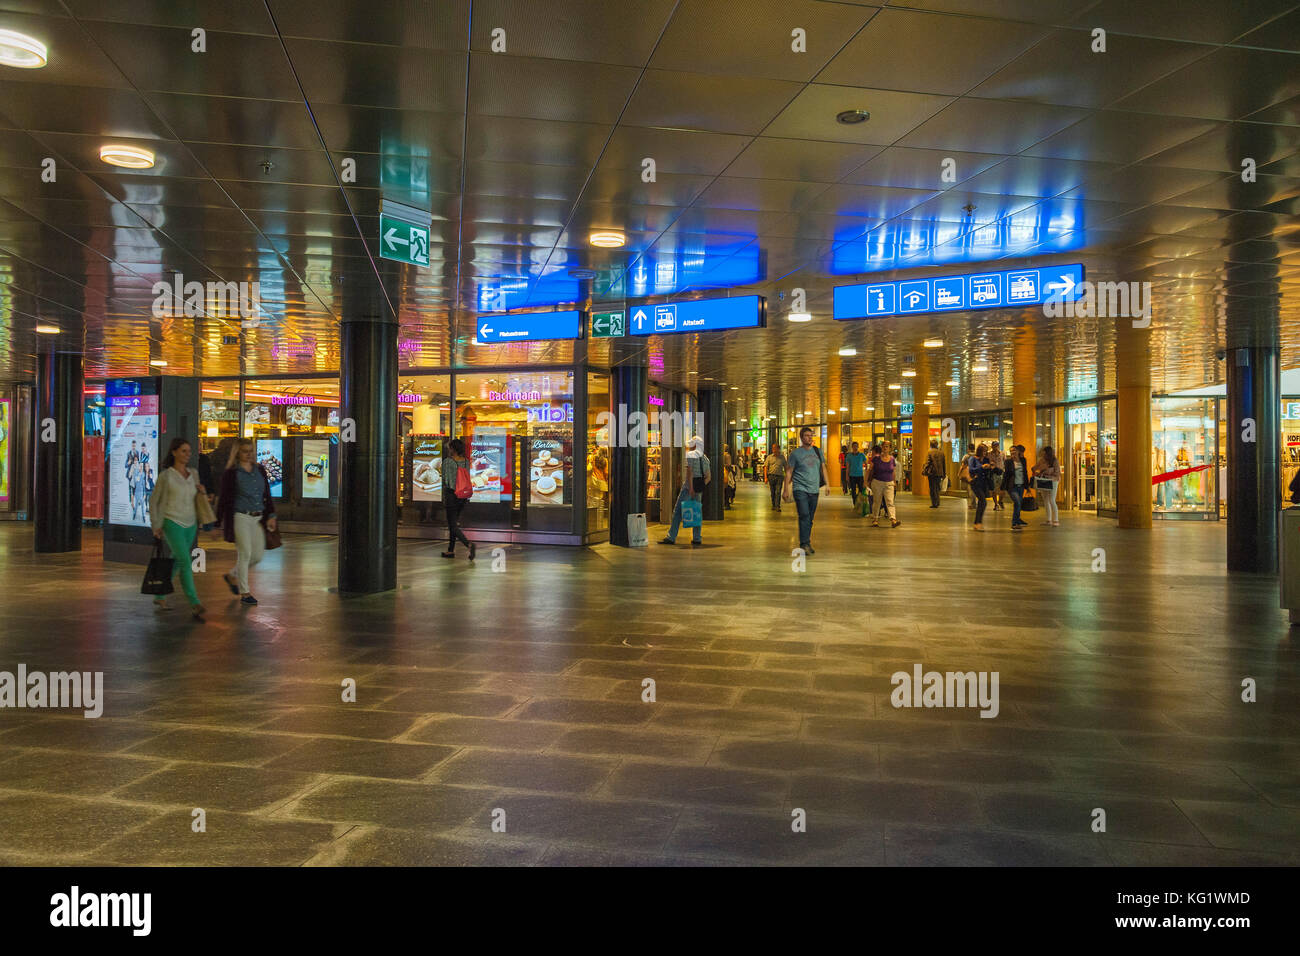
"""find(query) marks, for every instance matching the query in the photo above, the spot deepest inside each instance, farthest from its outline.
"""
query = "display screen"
(270, 455)
(257, 415)
(4, 452)
(426, 469)
(132, 458)
(487, 457)
(219, 410)
(549, 471)
(316, 469)
(333, 419)
(298, 416)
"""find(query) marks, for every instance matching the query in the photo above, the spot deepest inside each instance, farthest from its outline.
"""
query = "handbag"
(272, 538)
(943, 484)
(158, 575)
(697, 481)
(692, 513)
(203, 509)
(964, 473)
(821, 478)
(1028, 502)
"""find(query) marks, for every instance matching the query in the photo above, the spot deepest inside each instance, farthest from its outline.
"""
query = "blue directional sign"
(982, 290)
(702, 315)
(529, 327)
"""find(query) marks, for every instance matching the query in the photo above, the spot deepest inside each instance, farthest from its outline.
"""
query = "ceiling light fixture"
(979, 368)
(895, 387)
(848, 350)
(898, 403)
(607, 239)
(799, 317)
(22, 51)
(128, 157)
(158, 362)
(844, 408)
(934, 343)
(951, 383)
(909, 373)
(47, 329)
(852, 117)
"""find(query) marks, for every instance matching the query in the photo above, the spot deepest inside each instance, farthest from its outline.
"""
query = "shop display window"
(1184, 459)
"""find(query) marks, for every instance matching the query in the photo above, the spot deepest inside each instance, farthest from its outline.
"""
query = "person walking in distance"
(805, 474)
(856, 462)
(979, 469)
(696, 474)
(452, 503)
(933, 470)
(174, 518)
(998, 460)
(245, 511)
(883, 473)
(1047, 473)
(1015, 481)
(844, 469)
(775, 467)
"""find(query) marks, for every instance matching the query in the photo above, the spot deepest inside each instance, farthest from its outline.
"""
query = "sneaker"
(697, 544)
(808, 549)
(248, 599)
(448, 554)
(896, 524)
(875, 523)
(978, 527)
(667, 541)
(473, 549)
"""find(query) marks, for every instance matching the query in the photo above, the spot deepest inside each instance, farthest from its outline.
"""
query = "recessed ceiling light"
(870, 408)
(799, 317)
(735, 388)
(158, 362)
(22, 51)
(979, 368)
(898, 403)
(952, 382)
(909, 373)
(771, 418)
(852, 117)
(48, 329)
(895, 387)
(844, 408)
(932, 393)
(848, 350)
(934, 343)
(830, 412)
(607, 239)
(129, 157)
(732, 422)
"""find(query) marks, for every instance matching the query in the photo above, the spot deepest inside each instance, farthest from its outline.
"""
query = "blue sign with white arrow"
(529, 327)
(701, 315)
(982, 290)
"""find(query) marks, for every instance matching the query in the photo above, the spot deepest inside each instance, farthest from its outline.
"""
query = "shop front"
(1185, 458)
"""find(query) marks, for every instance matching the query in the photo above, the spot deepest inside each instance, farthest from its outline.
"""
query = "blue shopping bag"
(692, 513)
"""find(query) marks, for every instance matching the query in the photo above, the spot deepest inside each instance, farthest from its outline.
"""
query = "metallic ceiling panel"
(723, 104)
(1200, 22)
(79, 109)
(75, 59)
(920, 168)
(893, 114)
(770, 158)
(897, 50)
(594, 31)
(354, 74)
(991, 126)
(236, 16)
(542, 142)
(1229, 84)
(548, 89)
(759, 37)
(407, 23)
(1110, 136)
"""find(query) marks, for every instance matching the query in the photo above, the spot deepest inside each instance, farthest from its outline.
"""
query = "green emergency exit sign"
(608, 325)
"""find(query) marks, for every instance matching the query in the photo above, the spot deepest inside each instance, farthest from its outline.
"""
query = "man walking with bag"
(695, 475)
(934, 470)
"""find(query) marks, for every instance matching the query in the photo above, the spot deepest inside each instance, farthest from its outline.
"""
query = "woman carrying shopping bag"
(246, 513)
(175, 510)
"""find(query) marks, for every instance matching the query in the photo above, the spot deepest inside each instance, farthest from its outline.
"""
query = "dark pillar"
(368, 471)
(56, 493)
(1254, 467)
(713, 415)
(627, 465)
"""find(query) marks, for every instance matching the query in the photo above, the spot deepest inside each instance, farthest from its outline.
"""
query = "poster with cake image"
(546, 471)
(426, 469)
(270, 455)
(486, 458)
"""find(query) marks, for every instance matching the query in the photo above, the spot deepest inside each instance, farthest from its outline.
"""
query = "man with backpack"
(805, 474)
(695, 475)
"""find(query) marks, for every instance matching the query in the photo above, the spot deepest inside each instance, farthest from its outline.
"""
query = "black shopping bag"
(158, 576)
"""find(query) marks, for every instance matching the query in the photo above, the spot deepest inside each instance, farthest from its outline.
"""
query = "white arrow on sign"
(486, 330)
(639, 318)
(1065, 284)
(390, 237)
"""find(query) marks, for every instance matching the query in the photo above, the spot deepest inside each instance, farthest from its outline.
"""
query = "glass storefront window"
(424, 424)
(281, 408)
(1184, 460)
(1107, 458)
(218, 414)
(1081, 440)
(598, 442)
(1290, 450)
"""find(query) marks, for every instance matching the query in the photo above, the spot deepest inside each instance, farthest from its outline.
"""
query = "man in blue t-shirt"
(805, 471)
(856, 462)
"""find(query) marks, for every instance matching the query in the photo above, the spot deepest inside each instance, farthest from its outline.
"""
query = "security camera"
(1221, 354)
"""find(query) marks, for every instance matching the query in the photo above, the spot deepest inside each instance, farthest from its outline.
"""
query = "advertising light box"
(426, 469)
(133, 457)
(270, 455)
(960, 293)
(315, 468)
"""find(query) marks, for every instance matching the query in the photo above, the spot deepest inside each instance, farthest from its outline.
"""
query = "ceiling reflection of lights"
(848, 350)
(607, 239)
(799, 317)
(934, 343)
(159, 363)
(47, 329)
(870, 408)
(128, 157)
(898, 403)
(844, 408)
(932, 393)
(951, 383)
(909, 373)
(979, 368)
(21, 51)
(895, 387)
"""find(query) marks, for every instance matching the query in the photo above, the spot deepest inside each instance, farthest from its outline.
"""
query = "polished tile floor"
(516, 696)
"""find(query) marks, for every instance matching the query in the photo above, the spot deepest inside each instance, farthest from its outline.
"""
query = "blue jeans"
(1017, 493)
(806, 504)
(683, 495)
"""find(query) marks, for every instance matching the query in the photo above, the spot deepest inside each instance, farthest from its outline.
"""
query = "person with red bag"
(246, 513)
(456, 490)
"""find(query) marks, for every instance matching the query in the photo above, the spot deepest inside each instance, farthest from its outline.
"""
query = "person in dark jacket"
(245, 511)
(452, 504)
(981, 482)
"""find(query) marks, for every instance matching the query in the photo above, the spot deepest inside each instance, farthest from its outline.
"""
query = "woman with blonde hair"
(245, 511)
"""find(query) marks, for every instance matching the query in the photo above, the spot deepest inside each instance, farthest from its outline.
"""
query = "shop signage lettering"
(1082, 415)
(293, 399)
(656, 401)
(524, 396)
(409, 398)
(550, 413)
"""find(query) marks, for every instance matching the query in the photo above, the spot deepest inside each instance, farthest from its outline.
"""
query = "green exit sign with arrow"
(608, 325)
(404, 234)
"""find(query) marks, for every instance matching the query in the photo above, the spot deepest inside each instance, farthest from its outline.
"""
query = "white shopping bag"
(637, 535)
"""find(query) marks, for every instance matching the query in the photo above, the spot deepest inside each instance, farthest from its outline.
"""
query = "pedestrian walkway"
(521, 691)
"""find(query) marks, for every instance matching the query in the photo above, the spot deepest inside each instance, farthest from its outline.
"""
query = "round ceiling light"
(852, 117)
(129, 157)
(848, 350)
(607, 239)
(22, 51)
(799, 317)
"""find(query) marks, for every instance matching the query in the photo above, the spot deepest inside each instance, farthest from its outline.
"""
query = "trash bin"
(1289, 561)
